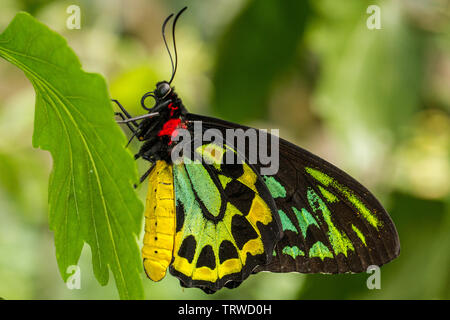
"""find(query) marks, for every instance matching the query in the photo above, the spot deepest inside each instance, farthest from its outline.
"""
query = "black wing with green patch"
(331, 223)
(226, 224)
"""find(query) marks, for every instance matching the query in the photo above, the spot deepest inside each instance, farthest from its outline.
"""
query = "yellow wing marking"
(208, 233)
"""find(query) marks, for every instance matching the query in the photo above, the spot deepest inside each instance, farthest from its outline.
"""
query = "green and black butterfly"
(214, 222)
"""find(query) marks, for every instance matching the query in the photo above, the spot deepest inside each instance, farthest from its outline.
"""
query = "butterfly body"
(159, 234)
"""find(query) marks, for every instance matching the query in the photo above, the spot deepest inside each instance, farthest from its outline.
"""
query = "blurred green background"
(374, 102)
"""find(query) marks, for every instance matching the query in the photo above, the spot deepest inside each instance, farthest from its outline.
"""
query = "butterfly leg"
(120, 114)
(145, 175)
(125, 112)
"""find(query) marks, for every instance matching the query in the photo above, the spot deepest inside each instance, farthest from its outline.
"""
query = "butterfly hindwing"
(331, 223)
(225, 220)
(336, 223)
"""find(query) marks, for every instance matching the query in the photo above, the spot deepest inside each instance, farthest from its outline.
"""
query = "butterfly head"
(162, 90)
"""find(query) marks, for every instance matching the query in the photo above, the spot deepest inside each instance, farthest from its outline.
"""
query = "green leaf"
(257, 48)
(91, 198)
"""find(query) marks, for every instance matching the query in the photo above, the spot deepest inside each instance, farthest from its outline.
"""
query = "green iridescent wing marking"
(226, 224)
(326, 215)
(331, 223)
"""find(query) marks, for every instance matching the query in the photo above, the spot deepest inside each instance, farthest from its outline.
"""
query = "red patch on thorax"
(170, 128)
(172, 109)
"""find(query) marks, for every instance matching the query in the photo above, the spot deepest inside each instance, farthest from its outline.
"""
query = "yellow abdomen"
(159, 222)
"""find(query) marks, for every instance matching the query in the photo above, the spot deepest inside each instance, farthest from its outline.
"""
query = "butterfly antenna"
(165, 41)
(174, 42)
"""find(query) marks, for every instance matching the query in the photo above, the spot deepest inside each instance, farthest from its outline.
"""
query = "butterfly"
(213, 222)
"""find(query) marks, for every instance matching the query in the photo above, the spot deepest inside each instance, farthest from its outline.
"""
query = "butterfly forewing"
(226, 224)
